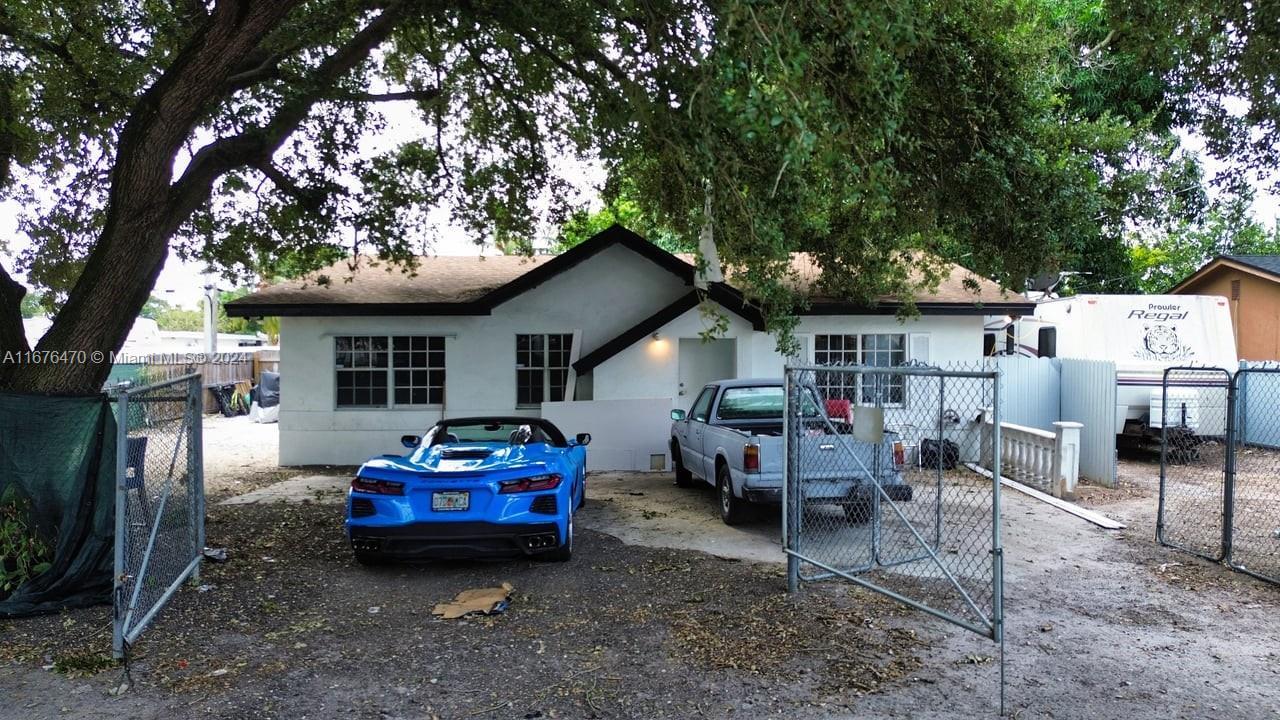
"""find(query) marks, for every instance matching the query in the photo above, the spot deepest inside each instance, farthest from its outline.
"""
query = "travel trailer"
(1143, 335)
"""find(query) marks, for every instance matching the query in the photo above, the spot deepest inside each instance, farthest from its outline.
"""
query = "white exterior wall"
(480, 379)
(596, 300)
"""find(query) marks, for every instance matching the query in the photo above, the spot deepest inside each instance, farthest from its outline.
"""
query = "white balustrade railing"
(1049, 461)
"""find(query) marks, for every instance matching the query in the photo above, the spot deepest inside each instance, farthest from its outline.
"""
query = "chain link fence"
(1191, 413)
(159, 500)
(883, 487)
(1220, 466)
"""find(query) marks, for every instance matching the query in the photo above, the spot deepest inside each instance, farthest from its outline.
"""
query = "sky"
(181, 283)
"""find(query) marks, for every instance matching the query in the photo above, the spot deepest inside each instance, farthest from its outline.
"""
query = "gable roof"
(474, 285)
(1266, 266)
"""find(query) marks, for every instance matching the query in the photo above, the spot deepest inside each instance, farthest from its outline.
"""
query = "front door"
(702, 363)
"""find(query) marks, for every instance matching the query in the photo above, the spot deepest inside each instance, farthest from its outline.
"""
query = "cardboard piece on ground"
(484, 601)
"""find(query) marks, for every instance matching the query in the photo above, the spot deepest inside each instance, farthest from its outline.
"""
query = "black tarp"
(269, 389)
(58, 454)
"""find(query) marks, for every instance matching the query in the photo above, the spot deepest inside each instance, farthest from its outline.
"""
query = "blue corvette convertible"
(471, 487)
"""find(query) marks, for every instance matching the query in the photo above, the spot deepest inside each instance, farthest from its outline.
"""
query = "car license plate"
(444, 501)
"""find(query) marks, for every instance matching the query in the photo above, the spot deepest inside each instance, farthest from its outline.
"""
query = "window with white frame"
(542, 367)
(873, 350)
(836, 350)
(378, 371)
(883, 350)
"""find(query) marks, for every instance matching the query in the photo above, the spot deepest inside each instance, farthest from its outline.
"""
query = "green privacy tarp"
(58, 454)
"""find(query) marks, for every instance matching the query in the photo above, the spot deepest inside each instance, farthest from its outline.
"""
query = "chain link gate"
(159, 534)
(878, 490)
(1220, 466)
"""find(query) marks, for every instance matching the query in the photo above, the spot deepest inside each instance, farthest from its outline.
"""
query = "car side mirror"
(677, 415)
(410, 441)
(583, 439)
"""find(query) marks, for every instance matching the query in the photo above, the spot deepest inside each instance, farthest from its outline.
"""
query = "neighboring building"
(146, 338)
(602, 339)
(1251, 284)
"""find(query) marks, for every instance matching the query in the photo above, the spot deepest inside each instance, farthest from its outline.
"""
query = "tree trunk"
(13, 337)
(121, 269)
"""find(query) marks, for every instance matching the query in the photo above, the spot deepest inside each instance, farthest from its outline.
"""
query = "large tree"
(250, 134)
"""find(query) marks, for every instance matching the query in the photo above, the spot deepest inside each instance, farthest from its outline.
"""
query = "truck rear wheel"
(733, 510)
(684, 478)
(858, 511)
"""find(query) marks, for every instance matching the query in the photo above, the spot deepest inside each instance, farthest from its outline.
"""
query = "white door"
(704, 362)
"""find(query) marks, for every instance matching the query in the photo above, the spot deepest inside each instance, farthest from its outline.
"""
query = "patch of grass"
(82, 663)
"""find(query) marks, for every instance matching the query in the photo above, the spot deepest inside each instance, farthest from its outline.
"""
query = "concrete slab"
(648, 509)
(325, 489)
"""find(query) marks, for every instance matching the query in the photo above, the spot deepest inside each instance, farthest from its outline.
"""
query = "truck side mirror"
(677, 415)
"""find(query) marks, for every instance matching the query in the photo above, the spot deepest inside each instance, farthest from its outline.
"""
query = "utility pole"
(210, 319)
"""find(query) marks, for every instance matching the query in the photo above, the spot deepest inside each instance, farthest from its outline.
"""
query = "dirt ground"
(663, 612)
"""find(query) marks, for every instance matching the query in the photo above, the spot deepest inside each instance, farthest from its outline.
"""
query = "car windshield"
(491, 432)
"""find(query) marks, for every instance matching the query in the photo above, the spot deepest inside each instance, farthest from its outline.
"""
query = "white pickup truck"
(731, 437)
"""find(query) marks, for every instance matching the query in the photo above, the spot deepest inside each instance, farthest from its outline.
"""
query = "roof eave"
(339, 309)
(924, 308)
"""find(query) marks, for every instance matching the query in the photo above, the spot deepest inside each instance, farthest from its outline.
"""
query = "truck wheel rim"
(725, 496)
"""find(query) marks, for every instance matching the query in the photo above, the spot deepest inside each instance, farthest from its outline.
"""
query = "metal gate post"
(1229, 472)
(1164, 454)
(195, 468)
(122, 463)
(788, 526)
(997, 547)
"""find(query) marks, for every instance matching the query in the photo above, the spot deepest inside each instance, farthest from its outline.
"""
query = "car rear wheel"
(565, 551)
(684, 478)
(733, 510)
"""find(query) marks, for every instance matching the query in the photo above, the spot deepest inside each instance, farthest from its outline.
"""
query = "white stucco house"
(603, 339)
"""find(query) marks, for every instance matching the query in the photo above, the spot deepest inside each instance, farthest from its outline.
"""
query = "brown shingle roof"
(473, 284)
(438, 279)
(951, 288)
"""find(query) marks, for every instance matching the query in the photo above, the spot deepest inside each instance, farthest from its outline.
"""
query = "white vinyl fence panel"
(1031, 391)
(1089, 397)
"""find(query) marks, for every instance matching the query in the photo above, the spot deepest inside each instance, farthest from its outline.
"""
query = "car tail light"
(899, 455)
(751, 458)
(529, 484)
(377, 487)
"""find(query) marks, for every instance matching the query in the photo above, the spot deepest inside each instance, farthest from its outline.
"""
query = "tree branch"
(1111, 35)
(257, 145)
(425, 95)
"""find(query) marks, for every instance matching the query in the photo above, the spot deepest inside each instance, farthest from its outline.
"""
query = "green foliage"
(180, 319)
(31, 306)
(621, 209)
(23, 554)
(154, 308)
(1220, 61)
(1013, 135)
(1228, 229)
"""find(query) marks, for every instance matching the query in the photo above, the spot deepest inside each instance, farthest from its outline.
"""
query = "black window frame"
(542, 367)
(388, 372)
